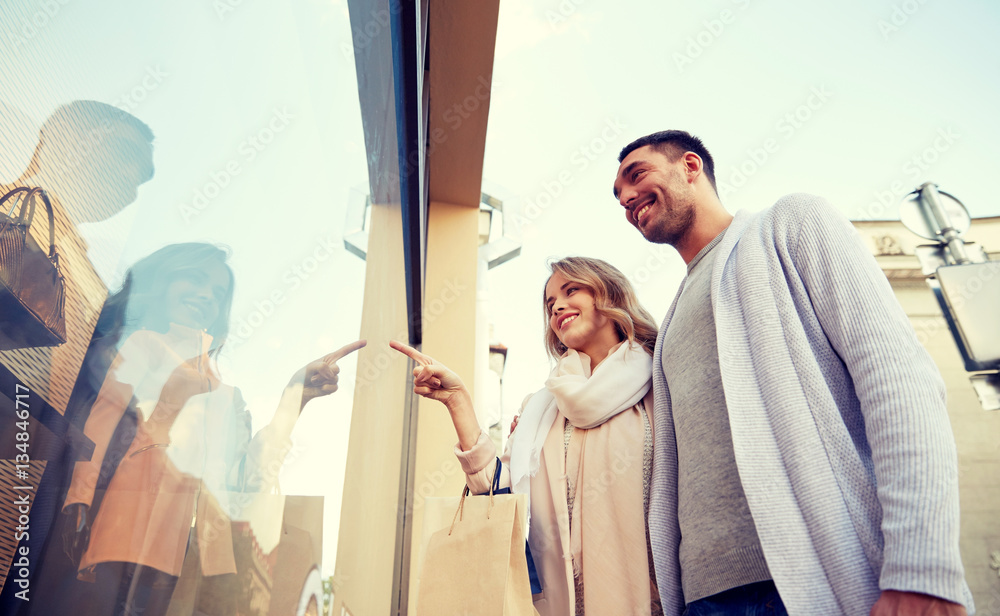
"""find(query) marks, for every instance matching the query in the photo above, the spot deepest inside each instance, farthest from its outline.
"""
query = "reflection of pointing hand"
(431, 379)
(319, 377)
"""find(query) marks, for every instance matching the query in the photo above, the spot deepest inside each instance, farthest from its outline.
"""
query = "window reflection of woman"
(192, 443)
(582, 447)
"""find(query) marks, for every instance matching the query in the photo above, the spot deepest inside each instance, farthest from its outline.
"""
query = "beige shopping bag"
(476, 566)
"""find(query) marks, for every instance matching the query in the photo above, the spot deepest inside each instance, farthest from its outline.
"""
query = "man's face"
(99, 172)
(658, 199)
(123, 161)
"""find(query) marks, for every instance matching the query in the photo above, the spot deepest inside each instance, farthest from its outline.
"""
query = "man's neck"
(710, 221)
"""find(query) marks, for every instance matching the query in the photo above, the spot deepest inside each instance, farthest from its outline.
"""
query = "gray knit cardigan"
(838, 417)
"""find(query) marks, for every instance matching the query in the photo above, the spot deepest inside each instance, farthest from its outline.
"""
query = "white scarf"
(587, 400)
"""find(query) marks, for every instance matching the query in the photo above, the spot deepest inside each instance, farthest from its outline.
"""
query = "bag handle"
(53, 255)
(466, 492)
(27, 215)
(27, 204)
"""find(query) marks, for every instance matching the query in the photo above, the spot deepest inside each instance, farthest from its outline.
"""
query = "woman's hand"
(430, 378)
(76, 531)
(319, 377)
(435, 381)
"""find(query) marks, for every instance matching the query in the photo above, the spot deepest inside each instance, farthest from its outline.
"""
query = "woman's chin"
(574, 344)
(188, 323)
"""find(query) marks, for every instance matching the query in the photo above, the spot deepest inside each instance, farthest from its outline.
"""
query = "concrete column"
(449, 330)
(367, 544)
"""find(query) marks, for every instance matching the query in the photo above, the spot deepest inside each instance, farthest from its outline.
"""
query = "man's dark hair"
(673, 144)
(93, 117)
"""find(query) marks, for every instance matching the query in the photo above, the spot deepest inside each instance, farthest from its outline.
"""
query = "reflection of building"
(298, 558)
(498, 359)
(975, 430)
(424, 84)
(280, 581)
(254, 571)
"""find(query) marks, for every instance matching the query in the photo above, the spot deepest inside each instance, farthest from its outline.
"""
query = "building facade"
(976, 430)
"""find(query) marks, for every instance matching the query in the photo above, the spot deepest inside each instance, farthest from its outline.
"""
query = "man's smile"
(641, 210)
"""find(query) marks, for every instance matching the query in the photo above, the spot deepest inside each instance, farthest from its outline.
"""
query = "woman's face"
(194, 296)
(574, 318)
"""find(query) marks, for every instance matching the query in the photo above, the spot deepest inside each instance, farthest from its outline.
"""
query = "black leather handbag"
(32, 289)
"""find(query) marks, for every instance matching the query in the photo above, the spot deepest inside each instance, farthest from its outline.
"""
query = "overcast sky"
(857, 101)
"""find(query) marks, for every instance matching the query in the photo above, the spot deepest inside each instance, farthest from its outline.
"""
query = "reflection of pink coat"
(174, 474)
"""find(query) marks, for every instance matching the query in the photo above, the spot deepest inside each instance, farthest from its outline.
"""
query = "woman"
(582, 447)
(192, 446)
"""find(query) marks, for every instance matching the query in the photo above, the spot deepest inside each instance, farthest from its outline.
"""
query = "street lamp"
(964, 281)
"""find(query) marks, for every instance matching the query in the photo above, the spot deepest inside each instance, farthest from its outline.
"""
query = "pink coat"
(173, 476)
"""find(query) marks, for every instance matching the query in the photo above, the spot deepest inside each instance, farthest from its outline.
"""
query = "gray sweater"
(838, 416)
(719, 547)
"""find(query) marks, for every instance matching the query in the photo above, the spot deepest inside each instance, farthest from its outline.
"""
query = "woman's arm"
(127, 370)
(479, 464)
(476, 452)
(271, 444)
(463, 416)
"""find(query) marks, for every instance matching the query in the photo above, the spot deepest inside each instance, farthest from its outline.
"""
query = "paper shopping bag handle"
(466, 491)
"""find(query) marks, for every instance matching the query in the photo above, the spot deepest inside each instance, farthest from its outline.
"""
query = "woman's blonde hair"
(614, 298)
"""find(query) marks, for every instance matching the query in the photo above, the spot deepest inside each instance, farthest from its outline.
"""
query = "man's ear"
(693, 165)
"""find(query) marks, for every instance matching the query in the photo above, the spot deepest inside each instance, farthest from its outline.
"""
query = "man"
(803, 451)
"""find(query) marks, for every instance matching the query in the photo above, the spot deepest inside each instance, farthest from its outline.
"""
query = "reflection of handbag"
(477, 566)
(32, 290)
